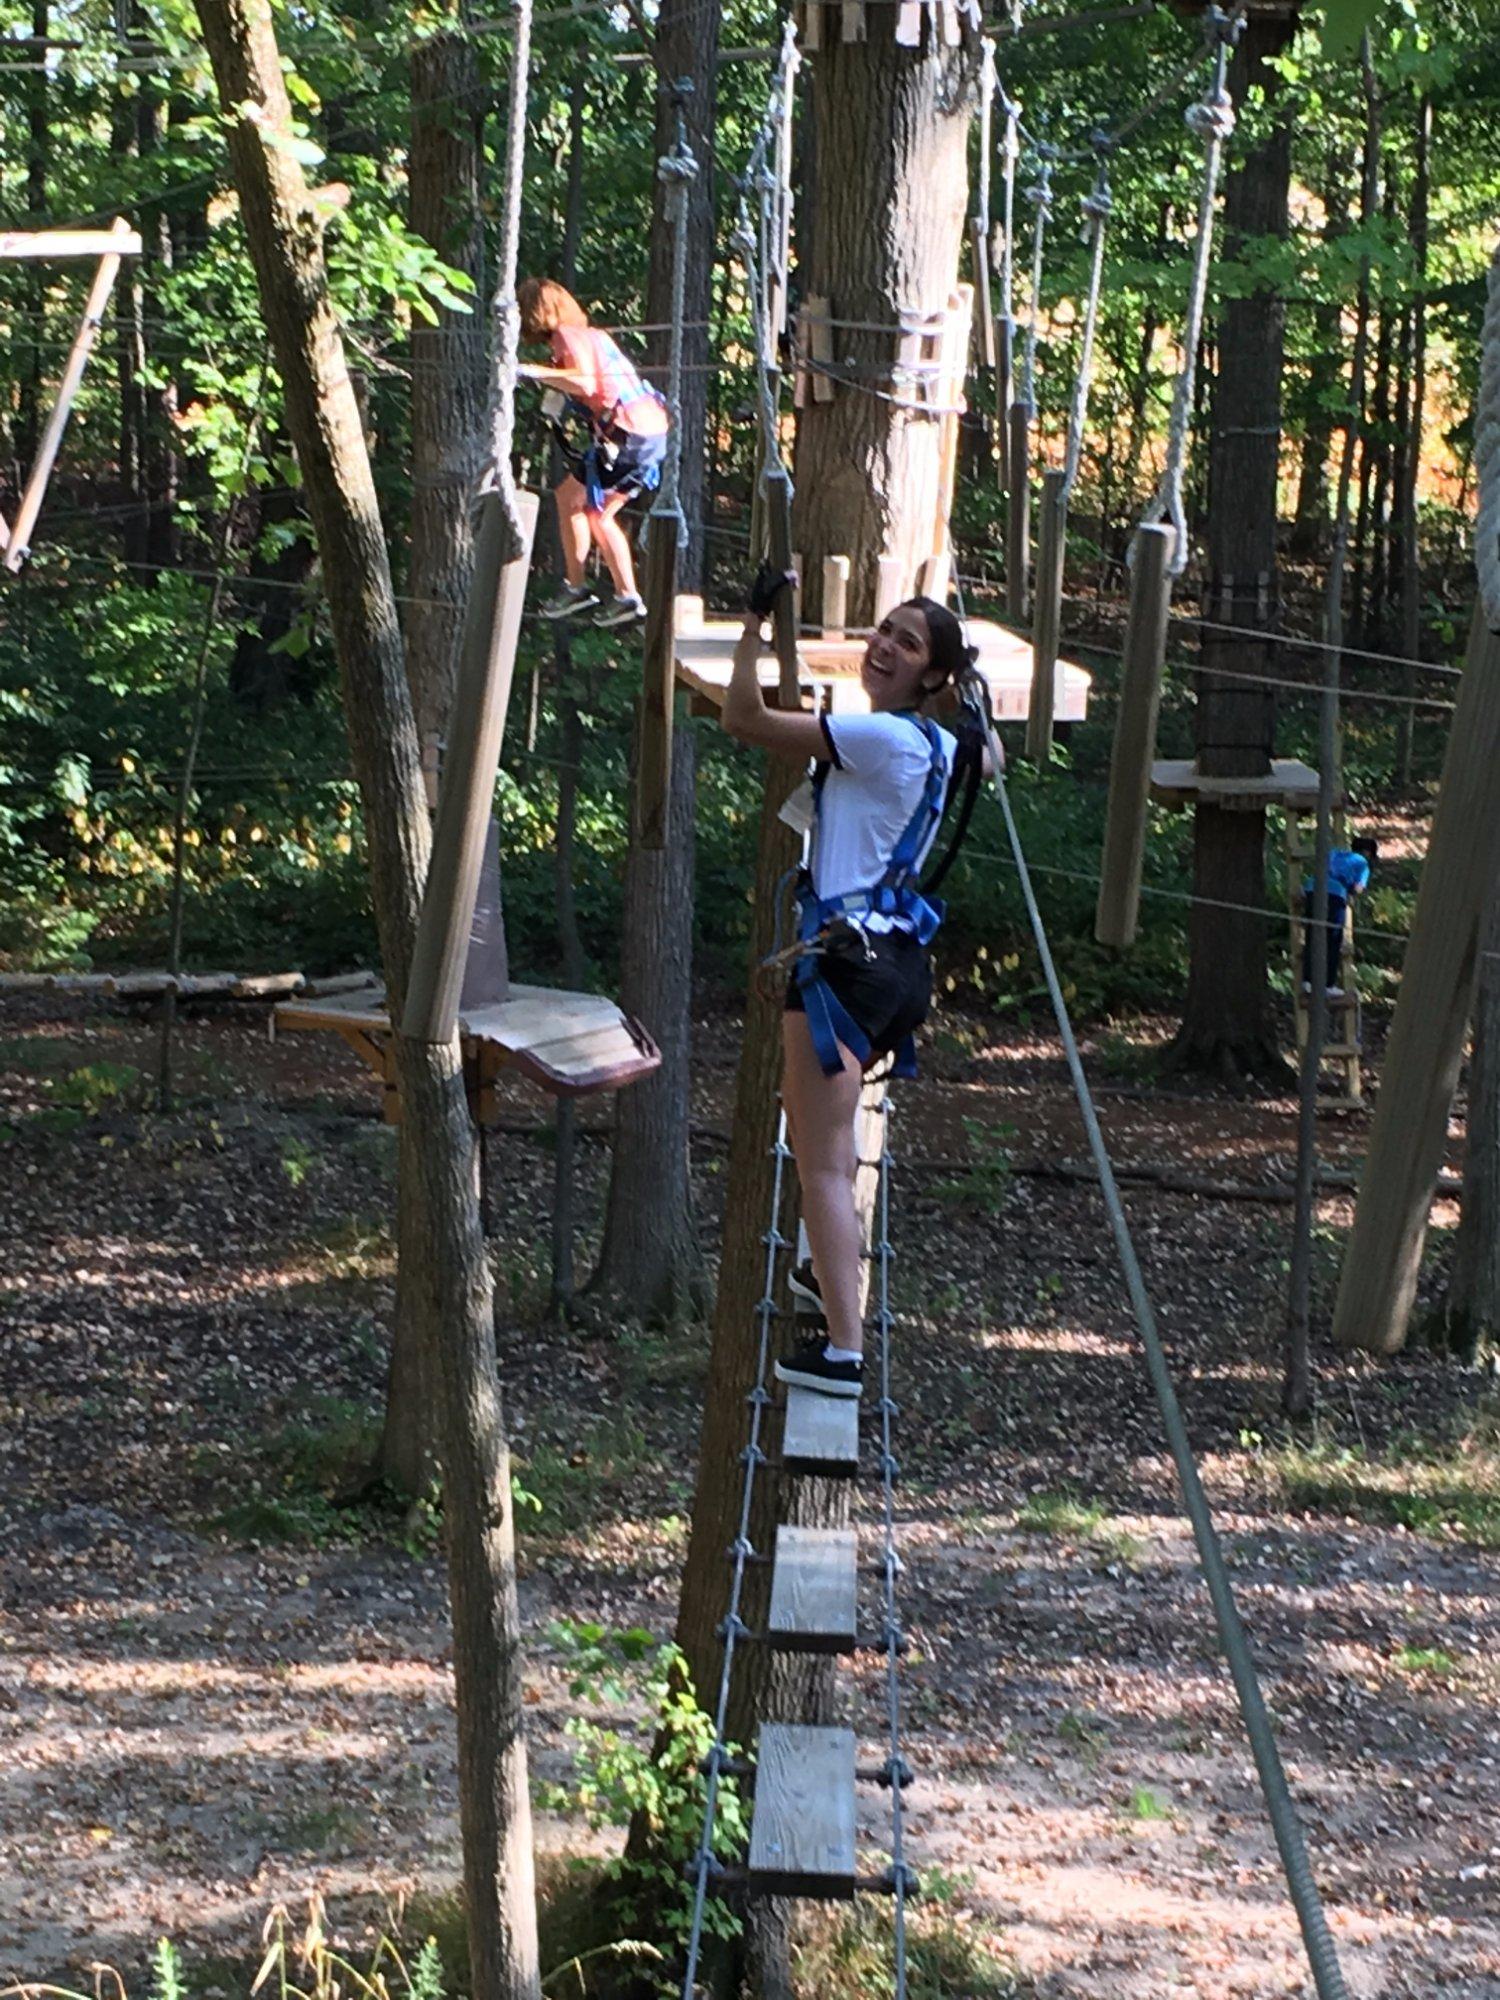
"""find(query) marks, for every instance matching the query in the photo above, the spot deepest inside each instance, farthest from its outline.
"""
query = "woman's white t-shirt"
(867, 800)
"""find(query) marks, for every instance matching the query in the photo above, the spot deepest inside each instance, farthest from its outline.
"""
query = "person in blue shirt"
(1348, 877)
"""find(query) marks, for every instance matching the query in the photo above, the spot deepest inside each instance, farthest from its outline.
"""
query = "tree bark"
(1473, 1304)
(650, 1261)
(1310, 519)
(1413, 426)
(447, 443)
(1226, 1024)
(452, 1292)
(38, 169)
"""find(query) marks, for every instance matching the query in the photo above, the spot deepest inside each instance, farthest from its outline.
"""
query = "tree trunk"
(38, 166)
(1226, 1024)
(1473, 1305)
(452, 1292)
(650, 1262)
(448, 395)
(1310, 521)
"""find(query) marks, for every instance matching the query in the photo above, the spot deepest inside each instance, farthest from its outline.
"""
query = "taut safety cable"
(1322, 1955)
(677, 169)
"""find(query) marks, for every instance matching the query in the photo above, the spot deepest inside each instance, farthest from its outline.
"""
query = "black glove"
(767, 587)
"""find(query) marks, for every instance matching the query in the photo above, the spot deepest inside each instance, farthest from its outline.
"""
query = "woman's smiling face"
(897, 655)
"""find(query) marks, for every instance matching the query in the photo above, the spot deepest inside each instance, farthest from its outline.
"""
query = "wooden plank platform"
(821, 1434)
(802, 1834)
(830, 668)
(569, 1043)
(1177, 781)
(814, 1590)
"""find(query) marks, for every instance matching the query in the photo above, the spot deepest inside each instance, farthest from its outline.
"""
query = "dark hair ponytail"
(950, 652)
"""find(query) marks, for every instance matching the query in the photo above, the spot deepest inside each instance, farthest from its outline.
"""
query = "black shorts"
(883, 979)
(629, 464)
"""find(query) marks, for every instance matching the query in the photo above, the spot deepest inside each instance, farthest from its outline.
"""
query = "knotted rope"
(1097, 208)
(1212, 119)
(676, 170)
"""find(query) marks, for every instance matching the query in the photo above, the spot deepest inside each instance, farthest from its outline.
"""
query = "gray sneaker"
(619, 611)
(570, 599)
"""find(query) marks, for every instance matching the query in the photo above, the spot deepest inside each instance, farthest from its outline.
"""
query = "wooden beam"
(802, 1835)
(658, 686)
(814, 1590)
(1018, 514)
(821, 1434)
(1046, 614)
(56, 244)
(1135, 737)
(1378, 1286)
(835, 596)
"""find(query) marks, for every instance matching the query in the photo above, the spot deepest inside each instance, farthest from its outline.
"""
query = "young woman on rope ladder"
(628, 424)
(861, 977)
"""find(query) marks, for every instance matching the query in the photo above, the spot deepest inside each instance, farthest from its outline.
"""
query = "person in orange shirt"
(628, 424)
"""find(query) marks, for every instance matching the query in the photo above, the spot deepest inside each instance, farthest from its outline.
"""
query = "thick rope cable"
(1097, 206)
(499, 477)
(677, 169)
(1010, 153)
(759, 181)
(1212, 119)
(1487, 454)
(1039, 194)
(897, 1774)
(989, 83)
(733, 1629)
(1322, 1955)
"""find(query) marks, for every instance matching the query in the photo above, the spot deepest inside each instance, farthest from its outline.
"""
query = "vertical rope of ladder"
(1039, 194)
(896, 1773)
(677, 169)
(500, 479)
(1097, 206)
(1012, 152)
(1212, 119)
(733, 1629)
(989, 83)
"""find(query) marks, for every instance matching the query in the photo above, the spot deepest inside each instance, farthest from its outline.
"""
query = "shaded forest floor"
(219, 1689)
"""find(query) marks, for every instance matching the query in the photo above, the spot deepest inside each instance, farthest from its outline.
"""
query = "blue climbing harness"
(896, 894)
(607, 441)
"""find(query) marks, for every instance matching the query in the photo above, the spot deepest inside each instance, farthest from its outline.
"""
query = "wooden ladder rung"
(802, 1834)
(814, 1590)
(821, 1434)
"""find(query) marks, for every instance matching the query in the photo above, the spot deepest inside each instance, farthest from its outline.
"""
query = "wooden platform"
(802, 1834)
(821, 1434)
(830, 669)
(1177, 781)
(814, 1590)
(569, 1043)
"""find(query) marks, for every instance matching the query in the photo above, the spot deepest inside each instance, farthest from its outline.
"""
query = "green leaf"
(1344, 21)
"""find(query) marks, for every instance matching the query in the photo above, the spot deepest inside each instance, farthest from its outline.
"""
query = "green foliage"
(166, 1972)
(1146, 1805)
(645, 1773)
(1426, 1660)
(985, 1182)
(950, 1951)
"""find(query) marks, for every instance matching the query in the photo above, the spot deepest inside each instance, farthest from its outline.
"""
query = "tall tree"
(1226, 1024)
(1473, 1302)
(453, 1289)
(651, 1259)
(447, 445)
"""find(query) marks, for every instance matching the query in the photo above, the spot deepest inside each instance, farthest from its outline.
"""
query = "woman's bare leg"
(572, 526)
(820, 1114)
(614, 544)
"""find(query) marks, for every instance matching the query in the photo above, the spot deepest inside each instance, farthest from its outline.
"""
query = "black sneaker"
(808, 1367)
(802, 1283)
(568, 601)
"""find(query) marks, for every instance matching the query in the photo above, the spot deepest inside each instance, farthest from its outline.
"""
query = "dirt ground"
(197, 1720)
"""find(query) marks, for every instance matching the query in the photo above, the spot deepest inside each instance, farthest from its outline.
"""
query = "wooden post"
(1135, 737)
(487, 658)
(1018, 515)
(835, 596)
(123, 241)
(1046, 621)
(1425, 1050)
(658, 690)
(888, 580)
(1005, 342)
(985, 346)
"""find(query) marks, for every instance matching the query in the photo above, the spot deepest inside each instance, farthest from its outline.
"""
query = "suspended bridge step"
(802, 1835)
(814, 1589)
(821, 1434)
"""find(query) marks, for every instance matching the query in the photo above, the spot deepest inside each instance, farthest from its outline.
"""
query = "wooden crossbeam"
(52, 245)
(821, 1434)
(802, 1835)
(814, 1590)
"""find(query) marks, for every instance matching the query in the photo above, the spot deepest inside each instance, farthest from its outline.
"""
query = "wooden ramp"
(569, 1043)
(830, 668)
(802, 1833)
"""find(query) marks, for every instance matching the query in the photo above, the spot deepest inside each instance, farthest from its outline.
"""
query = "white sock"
(832, 1353)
